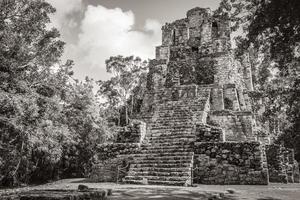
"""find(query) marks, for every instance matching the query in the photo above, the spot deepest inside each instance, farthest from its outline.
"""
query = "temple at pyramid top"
(202, 41)
(199, 30)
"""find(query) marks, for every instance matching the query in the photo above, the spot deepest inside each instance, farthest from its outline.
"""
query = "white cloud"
(63, 9)
(109, 32)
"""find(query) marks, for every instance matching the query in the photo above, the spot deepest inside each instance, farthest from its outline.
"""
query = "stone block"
(92, 194)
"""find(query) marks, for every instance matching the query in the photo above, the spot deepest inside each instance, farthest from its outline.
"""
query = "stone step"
(160, 174)
(157, 166)
(177, 121)
(172, 126)
(173, 122)
(155, 182)
(158, 178)
(163, 161)
(173, 113)
(163, 151)
(182, 105)
(174, 116)
(182, 125)
(161, 169)
(163, 154)
(171, 129)
(178, 158)
(171, 136)
(171, 147)
(154, 140)
(182, 112)
(174, 105)
(170, 133)
(166, 144)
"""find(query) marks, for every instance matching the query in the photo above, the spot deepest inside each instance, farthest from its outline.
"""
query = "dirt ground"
(199, 192)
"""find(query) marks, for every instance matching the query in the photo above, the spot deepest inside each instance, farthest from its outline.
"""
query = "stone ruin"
(196, 123)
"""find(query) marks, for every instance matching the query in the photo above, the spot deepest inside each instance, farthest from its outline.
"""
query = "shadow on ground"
(167, 194)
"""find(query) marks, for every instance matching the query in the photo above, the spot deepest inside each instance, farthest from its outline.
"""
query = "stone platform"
(59, 194)
(64, 195)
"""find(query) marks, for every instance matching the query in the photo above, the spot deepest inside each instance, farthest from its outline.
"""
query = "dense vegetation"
(50, 123)
(271, 35)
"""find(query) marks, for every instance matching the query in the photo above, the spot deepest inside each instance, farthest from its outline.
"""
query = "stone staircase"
(166, 156)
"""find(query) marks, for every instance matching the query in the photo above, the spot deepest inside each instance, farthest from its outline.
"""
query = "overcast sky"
(94, 30)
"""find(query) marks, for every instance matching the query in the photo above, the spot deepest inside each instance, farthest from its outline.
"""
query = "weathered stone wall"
(133, 133)
(238, 126)
(191, 93)
(226, 70)
(246, 72)
(283, 167)
(296, 172)
(206, 133)
(156, 74)
(109, 158)
(217, 98)
(231, 100)
(229, 97)
(112, 150)
(111, 170)
(289, 164)
(276, 166)
(230, 163)
(200, 25)
(162, 53)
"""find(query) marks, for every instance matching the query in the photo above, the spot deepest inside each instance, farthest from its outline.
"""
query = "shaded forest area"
(51, 123)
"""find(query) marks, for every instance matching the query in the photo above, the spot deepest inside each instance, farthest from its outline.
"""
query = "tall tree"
(43, 110)
(126, 73)
(27, 50)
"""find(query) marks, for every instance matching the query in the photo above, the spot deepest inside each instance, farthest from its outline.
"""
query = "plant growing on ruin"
(126, 73)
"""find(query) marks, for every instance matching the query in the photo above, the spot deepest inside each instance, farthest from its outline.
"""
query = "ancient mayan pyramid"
(196, 123)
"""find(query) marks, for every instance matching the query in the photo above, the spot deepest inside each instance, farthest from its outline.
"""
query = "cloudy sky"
(94, 30)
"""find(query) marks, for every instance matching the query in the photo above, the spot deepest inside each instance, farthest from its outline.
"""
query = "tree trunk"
(126, 114)
(15, 172)
(131, 106)
(119, 118)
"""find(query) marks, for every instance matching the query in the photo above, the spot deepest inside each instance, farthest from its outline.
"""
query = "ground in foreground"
(200, 192)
